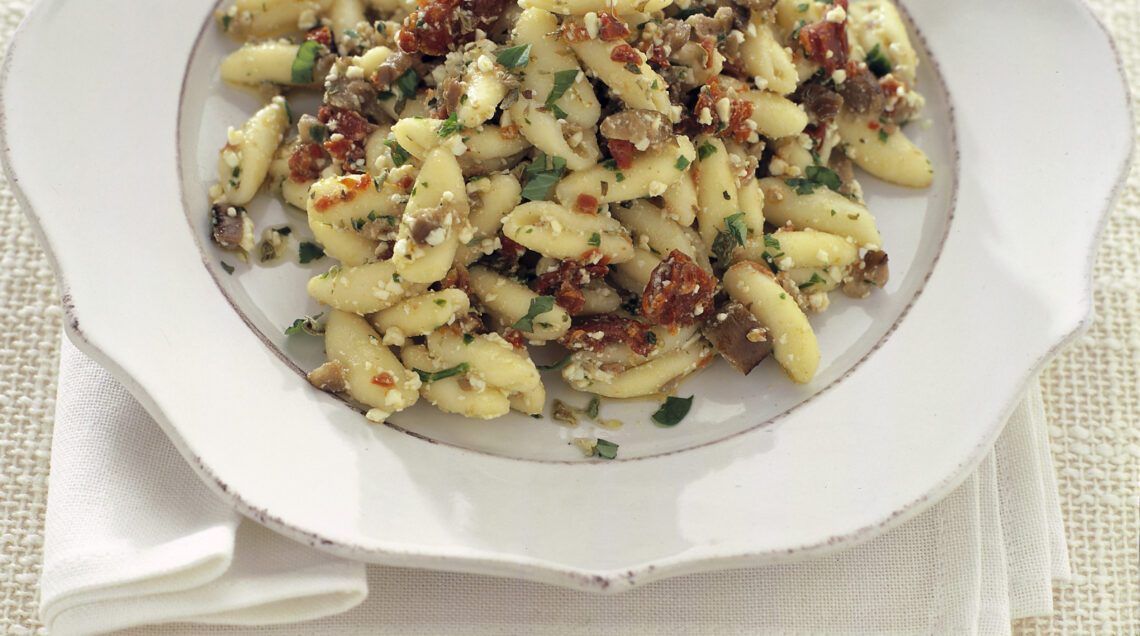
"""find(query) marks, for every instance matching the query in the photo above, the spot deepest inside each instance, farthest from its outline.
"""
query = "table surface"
(1092, 400)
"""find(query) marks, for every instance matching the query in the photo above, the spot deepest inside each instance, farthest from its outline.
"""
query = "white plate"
(112, 157)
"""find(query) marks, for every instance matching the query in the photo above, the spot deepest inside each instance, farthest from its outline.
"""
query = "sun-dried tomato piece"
(509, 132)
(511, 250)
(515, 337)
(622, 152)
(573, 33)
(709, 45)
(825, 42)
(384, 379)
(306, 162)
(740, 112)
(612, 28)
(352, 186)
(320, 34)
(565, 283)
(348, 123)
(586, 204)
(679, 292)
(625, 53)
(439, 26)
(457, 278)
(595, 332)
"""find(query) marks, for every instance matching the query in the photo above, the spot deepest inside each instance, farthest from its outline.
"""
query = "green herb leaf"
(802, 7)
(632, 68)
(541, 179)
(883, 135)
(309, 252)
(770, 262)
(441, 302)
(771, 241)
(406, 84)
(593, 407)
(308, 325)
(399, 155)
(682, 162)
(651, 337)
(722, 247)
(450, 126)
(563, 80)
(816, 176)
(878, 62)
(538, 306)
(352, 34)
(705, 150)
(736, 227)
(556, 366)
(605, 449)
(304, 62)
(558, 112)
(229, 269)
(226, 22)
(318, 132)
(673, 411)
(515, 56)
(814, 280)
(432, 376)
(595, 239)
(468, 338)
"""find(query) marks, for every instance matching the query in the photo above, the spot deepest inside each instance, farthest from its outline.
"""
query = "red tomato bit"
(596, 332)
(622, 152)
(679, 292)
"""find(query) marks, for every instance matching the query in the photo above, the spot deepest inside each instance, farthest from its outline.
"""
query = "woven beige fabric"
(1092, 400)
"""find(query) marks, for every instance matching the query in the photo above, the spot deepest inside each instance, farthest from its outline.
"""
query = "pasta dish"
(648, 184)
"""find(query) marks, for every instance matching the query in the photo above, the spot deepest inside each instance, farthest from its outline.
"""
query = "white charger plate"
(990, 272)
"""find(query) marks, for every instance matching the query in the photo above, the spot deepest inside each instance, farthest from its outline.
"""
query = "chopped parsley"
(304, 62)
(816, 176)
(541, 179)
(771, 241)
(515, 56)
(605, 449)
(672, 411)
(450, 126)
(705, 150)
(593, 407)
(814, 280)
(441, 302)
(399, 155)
(468, 338)
(406, 84)
(722, 247)
(229, 269)
(736, 227)
(563, 80)
(595, 239)
(308, 252)
(883, 135)
(432, 376)
(682, 162)
(538, 306)
(318, 132)
(632, 68)
(877, 62)
(307, 324)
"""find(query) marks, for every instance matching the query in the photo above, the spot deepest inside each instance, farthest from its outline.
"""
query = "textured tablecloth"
(1092, 401)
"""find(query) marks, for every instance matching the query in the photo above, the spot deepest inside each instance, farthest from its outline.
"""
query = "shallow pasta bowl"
(991, 276)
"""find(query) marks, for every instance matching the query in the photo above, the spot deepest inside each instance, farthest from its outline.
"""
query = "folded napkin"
(133, 538)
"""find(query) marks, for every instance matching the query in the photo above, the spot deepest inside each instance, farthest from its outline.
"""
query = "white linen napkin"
(133, 538)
